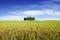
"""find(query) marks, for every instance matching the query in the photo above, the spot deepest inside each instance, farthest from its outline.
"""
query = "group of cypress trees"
(29, 18)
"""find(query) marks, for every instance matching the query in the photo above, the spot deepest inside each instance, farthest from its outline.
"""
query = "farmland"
(29, 30)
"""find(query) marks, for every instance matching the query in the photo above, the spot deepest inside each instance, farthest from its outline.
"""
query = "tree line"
(29, 18)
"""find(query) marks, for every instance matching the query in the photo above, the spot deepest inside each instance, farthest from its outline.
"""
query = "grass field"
(29, 30)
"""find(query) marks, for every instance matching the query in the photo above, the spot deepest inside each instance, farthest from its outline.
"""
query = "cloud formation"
(37, 12)
(47, 9)
(33, 12)
(17, 16)
(12, 17)
(55, 0)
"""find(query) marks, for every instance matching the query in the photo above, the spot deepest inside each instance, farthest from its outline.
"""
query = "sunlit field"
(29, 30)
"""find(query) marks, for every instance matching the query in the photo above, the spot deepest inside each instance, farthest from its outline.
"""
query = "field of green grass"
(29, 30)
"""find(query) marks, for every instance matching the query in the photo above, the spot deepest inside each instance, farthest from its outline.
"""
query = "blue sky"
(40, 9)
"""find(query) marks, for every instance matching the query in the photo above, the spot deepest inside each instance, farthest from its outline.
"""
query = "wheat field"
(29, 30)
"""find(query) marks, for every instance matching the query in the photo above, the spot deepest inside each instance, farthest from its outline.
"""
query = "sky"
(40, 9)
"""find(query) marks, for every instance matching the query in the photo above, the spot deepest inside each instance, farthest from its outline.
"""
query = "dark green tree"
(29, 18)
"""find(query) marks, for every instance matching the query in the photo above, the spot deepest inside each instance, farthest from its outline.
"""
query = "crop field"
(29, 30)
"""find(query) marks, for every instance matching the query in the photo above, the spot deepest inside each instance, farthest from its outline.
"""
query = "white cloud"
(37, 12)
(12, 12)
(48, 18)
(51, 12)
(15, 13)
(48, 11)
(12, 17)
(57, 13)
(33, 12)
(42, 12)
(28, 12)
(56, 0)
(48, 7)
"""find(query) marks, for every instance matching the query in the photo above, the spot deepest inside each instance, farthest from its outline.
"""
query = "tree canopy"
(29, 18)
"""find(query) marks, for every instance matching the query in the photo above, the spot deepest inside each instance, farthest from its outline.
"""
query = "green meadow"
(29, 30)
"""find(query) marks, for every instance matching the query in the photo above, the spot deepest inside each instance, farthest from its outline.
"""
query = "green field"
(29, 30)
